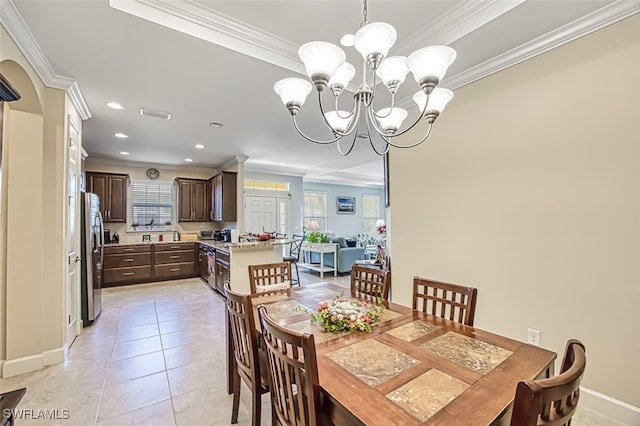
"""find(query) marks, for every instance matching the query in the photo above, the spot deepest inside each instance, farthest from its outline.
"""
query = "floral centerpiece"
(340, 314)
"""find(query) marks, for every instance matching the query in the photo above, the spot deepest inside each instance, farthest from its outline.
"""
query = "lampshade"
(321, 59)
(379, 222)
(393, 68)
(375, 38)
(336, 120)
(343, 75)
(392, 118)
(313, 225)
(431, 61)
(438, 99)
(292, 91)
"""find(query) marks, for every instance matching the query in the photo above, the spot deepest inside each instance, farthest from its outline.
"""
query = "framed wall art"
(345, 205)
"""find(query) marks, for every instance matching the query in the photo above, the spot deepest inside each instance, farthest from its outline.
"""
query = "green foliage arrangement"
(316, 237)
(340, 314)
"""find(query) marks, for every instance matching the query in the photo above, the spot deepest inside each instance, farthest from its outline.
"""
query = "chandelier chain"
(364, 14)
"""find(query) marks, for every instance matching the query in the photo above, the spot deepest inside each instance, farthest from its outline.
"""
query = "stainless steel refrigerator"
(92, 245)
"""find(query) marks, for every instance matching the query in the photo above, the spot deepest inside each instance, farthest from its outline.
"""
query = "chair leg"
(256, 407)
(297, 274)
(236, 398)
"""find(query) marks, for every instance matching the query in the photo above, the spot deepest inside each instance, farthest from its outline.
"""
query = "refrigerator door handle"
(101, 239)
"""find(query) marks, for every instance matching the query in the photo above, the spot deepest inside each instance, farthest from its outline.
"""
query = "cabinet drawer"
(175, 270)
(173, 247)
(174, 257)
(136, 273)
(222, 255)
(127, 249)
(127, 260)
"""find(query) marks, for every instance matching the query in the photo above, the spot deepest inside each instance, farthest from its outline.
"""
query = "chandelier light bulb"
(373, 41)
(391, 119)
(336, 120)
(321, 60)
(341, 78)
(293, 92)
(430, 64)
(392, 71)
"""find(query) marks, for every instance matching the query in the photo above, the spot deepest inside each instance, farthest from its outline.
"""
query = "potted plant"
(316, 237)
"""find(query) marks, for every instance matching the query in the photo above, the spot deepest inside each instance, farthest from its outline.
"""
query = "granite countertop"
(212, 243)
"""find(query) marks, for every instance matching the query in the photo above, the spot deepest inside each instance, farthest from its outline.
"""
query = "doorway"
(266, 214)
(73, 253)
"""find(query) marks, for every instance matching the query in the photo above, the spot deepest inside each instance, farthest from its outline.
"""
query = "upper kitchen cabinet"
(111, 188)
(224, 197)
(193, 200)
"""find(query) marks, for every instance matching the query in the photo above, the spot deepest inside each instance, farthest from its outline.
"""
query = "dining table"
(413, 368)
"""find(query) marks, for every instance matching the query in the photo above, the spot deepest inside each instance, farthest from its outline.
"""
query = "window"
(269, 185)
(370, 213)
(315, 211)
(151, 205)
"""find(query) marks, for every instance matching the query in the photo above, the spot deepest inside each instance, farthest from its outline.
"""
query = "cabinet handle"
(174, 257)
(128, 260)
(124, 274)
(129, 249)
(174, 269)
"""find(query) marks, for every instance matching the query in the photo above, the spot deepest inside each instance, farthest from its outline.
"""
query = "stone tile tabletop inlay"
(284, 309)
(317, 293)
(371, 361)
(427, 394)
(474, 354)
(413, 330)
(313, 327)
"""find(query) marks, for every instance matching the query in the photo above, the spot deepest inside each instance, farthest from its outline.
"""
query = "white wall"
(345, 225)
(529, 190)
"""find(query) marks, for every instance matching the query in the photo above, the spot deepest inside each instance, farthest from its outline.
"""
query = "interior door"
(73, 249)
(261, 214)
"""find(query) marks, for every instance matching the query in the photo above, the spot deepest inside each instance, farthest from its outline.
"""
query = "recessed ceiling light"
(199, 146)
(216, 124)
(188, 160)
(115, 105)
(121, 135)
(124, 153)
(347, 40)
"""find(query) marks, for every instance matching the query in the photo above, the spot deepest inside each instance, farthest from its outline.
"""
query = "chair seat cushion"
(290, 259)
(273, 287)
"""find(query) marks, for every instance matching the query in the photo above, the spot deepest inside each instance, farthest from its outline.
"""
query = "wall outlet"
(533, 337)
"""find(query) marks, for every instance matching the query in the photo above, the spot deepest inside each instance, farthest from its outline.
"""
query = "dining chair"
(370, 280)
(451, 301)
(552, 401)
(293, 373)
(294, 255)
(270, 277)
(250, 361)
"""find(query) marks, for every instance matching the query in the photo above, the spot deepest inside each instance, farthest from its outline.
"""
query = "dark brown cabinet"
(112, 190)
(126, 265)
(224, 199)
(174, 261)
(203, 261)
(193, 200)
(223, 269)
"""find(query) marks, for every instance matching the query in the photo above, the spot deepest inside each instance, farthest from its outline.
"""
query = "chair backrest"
(293, 373)
(451, 301)
(296, 245)
(552, 401)
(279, 235)
(243, 335)
(270, 277)
(372, 281)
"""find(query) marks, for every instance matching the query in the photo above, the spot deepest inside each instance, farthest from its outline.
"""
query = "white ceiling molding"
(198, 21)
(457, 23)
(17, 29)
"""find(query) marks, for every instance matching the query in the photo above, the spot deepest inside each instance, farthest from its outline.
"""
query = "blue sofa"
(346, 255)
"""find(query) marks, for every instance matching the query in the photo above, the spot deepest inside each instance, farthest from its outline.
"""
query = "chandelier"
(325, 65)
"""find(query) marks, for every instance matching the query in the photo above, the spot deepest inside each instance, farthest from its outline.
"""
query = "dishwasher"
(211, 267)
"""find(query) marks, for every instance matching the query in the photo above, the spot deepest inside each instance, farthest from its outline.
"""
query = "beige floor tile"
(136, 347)
(133, 321)
(204, 407)
(68, 384)
(187, 354)
(80, 409)
(134, 367)
(183, 337)
(137, 332)
(133, 394)
(177, 325)
(158, 414)
(194, 376)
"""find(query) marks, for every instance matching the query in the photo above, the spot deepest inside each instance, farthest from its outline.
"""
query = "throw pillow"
(342, 243)
(351, 243)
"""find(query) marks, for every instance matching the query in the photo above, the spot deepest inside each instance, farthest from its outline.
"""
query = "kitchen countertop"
(221, 245)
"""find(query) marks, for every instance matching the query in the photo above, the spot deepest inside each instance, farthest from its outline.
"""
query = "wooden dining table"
(413, 368)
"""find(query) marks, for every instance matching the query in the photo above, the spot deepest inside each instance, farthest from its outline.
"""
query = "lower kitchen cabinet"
(223, 269)
(148, 262)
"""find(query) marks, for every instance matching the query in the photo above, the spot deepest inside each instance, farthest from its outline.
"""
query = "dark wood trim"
(7, 92)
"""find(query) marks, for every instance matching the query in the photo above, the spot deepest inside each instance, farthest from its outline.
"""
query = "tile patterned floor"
(153, 357)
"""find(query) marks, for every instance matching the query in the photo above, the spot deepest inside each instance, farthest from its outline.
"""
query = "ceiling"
(209, 61)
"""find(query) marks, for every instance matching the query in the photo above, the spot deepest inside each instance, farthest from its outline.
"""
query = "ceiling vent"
(155, 113)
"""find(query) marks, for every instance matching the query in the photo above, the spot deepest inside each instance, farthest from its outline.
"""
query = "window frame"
(322, 220)
(162, 218)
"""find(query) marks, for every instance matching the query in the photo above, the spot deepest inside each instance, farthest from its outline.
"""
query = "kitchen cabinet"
(193, 200)
(224, 197)
(223, 269)
(203, 262)
(111, 188)
(174, 261)
(126, 265)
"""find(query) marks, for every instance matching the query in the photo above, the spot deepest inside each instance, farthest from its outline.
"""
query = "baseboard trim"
(607, 406)
(27, 364)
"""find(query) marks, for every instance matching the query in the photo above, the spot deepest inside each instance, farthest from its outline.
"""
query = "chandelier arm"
(353, 144)
(382, 137)
(338, 110)
(393, 102)
(295, 124)
(371, 118)
(422, 114)
(335, 132)
(413, 144)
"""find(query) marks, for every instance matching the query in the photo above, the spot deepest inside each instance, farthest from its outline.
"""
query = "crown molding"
(20, 34)
(202, 22)
(124, 163)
